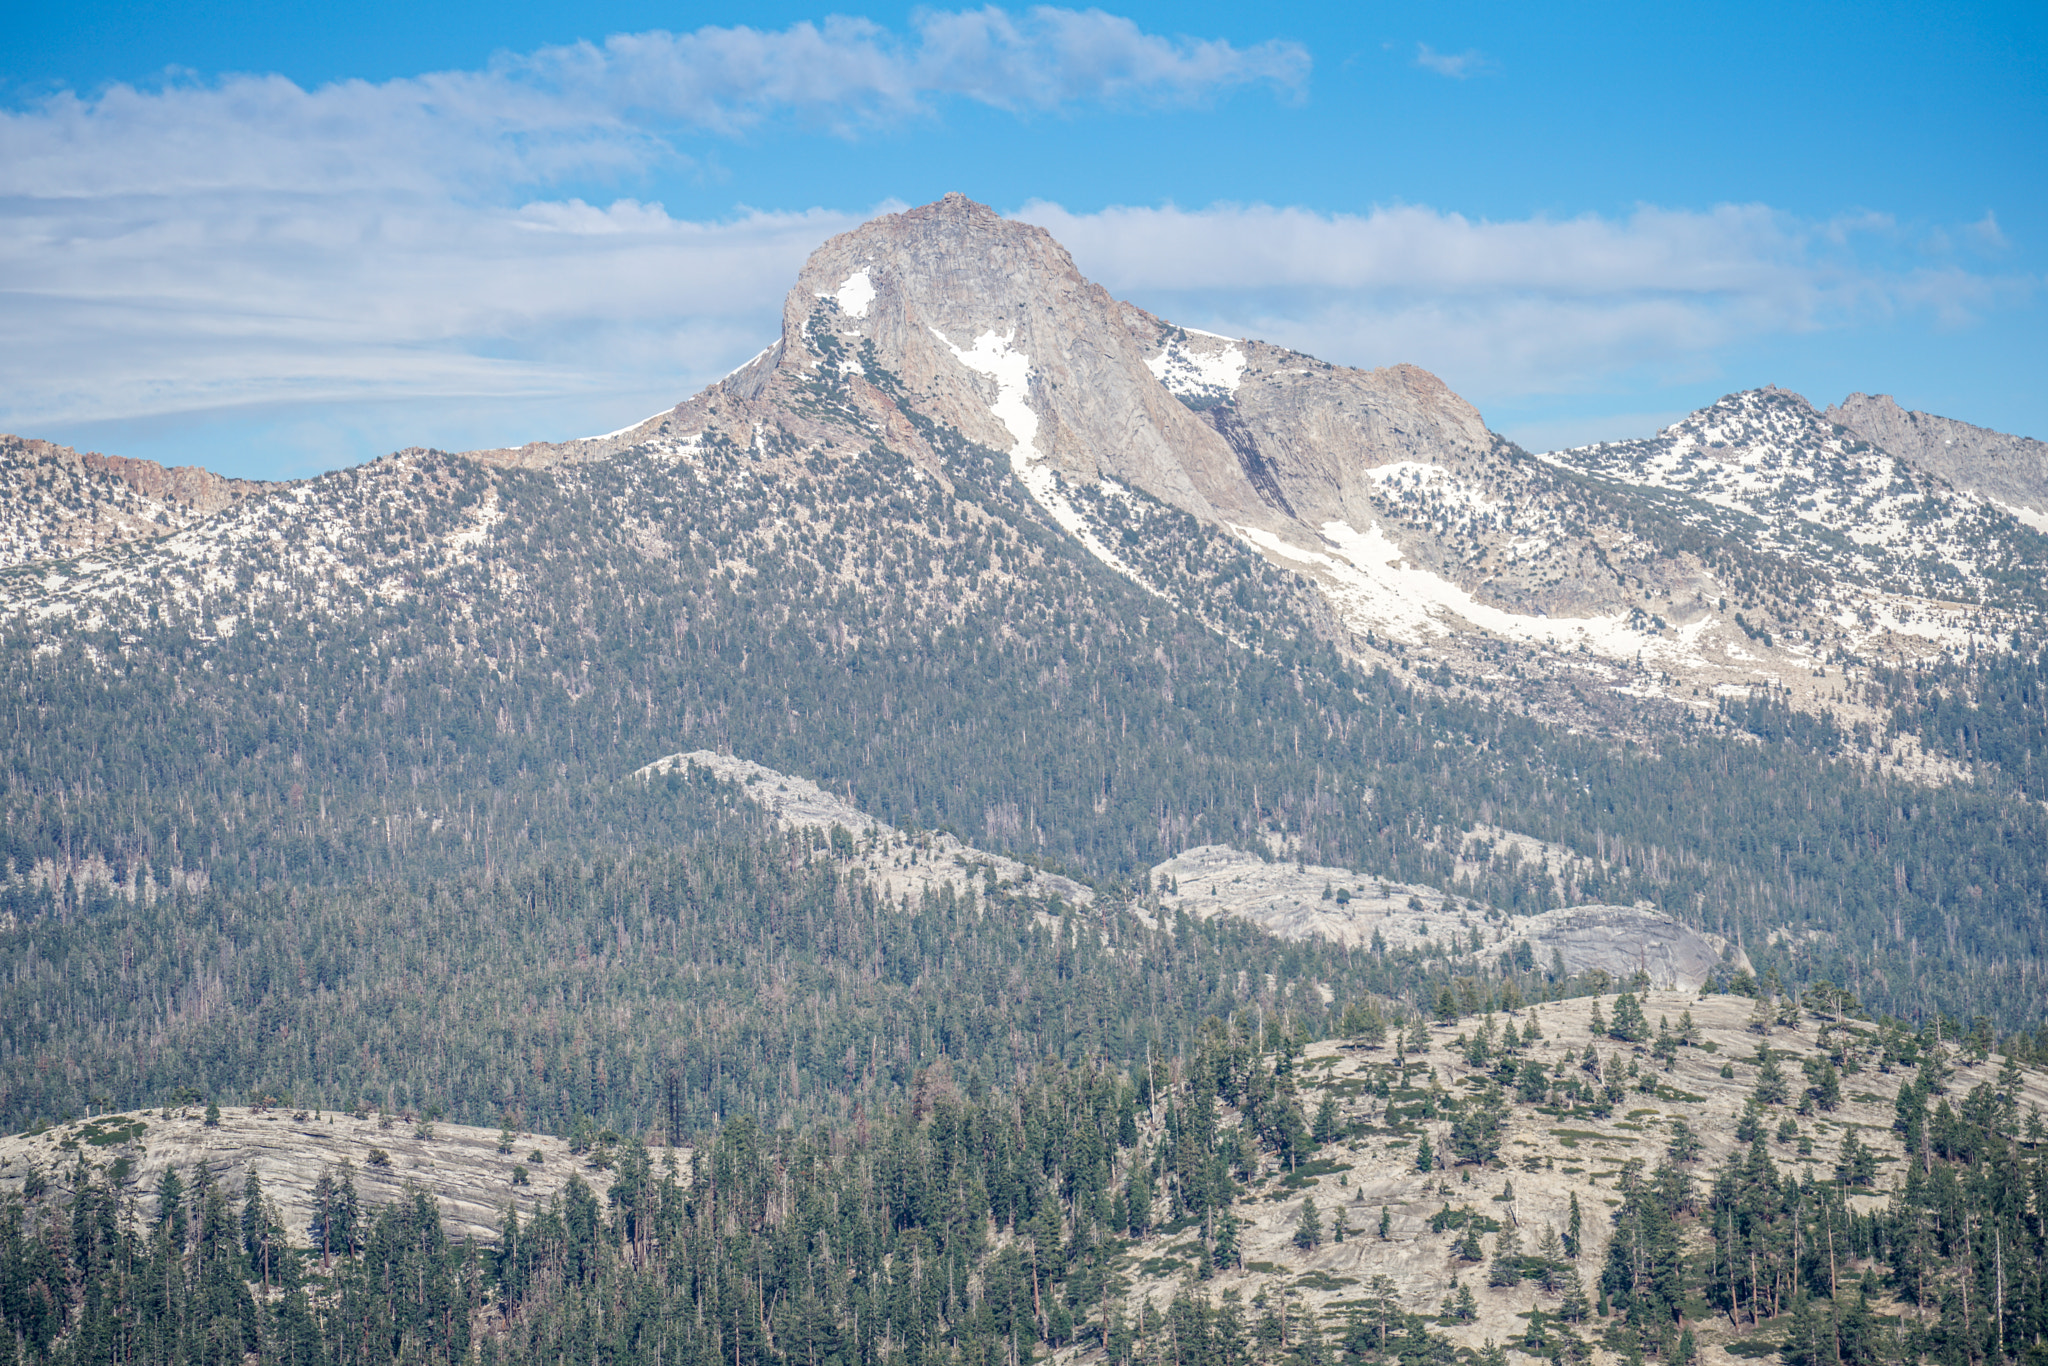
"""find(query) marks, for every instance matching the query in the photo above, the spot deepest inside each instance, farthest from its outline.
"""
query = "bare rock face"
(1297, 901)
(1307, 433)
(952, 318)
(1623, 940)
(2012, 470)
(989, 327)
(56, 503)
(900, 863)
(458, 1166)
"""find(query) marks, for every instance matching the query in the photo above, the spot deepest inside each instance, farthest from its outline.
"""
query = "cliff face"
(2012, 470)
(989, 328)
(952, 315)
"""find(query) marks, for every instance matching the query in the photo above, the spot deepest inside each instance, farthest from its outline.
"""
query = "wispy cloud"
(284, 302)
(591, 108)
(1456, 65)
(1527, 306)
(247, 240)
(245, 243)
(1986, 234)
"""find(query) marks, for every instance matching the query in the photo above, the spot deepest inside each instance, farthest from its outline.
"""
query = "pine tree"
(1803, 1340)
(1372, 1030)
(170, 1207)
(1573, 1308)
(1468, 1247)
(1630, 1025)
(1550, 1249)
(1857, 1165)
(1770, 1079)
(1386, 1222)
(1506, 1269)
(1328, 1127)
(1226, 1252)
(1308, 1229)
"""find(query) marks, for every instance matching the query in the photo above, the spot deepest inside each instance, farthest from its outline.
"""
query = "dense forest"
(738, 970)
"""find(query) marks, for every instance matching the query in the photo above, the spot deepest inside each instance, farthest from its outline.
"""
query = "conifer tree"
(1630, 1025)
(1328, 1126)
(1572, 1307)
(1506, 1269)
(1308, 1228)
(1770, 1086)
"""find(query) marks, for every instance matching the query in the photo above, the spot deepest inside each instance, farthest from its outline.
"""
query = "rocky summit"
(1753, 545)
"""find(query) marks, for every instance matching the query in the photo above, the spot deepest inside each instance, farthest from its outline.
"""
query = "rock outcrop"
(900, 863)
(460, 1167)
(2011, 470)
(1624, 940)
(1298, 901)
(56, 502)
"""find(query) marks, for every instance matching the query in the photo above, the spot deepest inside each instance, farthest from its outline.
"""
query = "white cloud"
(1456, 65)
(1986, 233)
(1527, 306)
(296, 301)
(586, 107)
(248, 241)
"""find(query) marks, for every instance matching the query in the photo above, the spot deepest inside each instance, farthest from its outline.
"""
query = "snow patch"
(2027, 516)
(1370, 582)
(854, 296)
(645, 420)
(993, 356)
(1194, 374)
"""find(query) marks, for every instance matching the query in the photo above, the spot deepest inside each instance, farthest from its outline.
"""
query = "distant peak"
(953, 204)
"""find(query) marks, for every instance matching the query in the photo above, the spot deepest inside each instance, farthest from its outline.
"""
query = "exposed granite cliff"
(2012, 470)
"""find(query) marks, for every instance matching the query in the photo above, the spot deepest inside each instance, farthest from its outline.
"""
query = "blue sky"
(273, 239)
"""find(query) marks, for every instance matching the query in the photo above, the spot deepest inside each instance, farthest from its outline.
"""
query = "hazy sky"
(273, 238)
